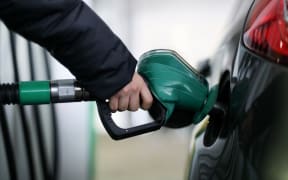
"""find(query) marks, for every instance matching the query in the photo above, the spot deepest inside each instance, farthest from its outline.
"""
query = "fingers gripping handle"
(118, 133)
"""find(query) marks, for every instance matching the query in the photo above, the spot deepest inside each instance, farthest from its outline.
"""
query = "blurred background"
(70, 137)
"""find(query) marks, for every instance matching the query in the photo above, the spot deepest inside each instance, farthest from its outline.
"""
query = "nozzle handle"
(118, 133)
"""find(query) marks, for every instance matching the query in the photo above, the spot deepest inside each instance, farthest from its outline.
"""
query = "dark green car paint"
(254, 145)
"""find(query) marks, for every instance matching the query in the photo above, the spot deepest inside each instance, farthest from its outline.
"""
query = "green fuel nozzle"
(176, 86)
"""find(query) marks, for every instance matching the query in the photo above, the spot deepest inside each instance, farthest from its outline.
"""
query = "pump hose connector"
(9, 93)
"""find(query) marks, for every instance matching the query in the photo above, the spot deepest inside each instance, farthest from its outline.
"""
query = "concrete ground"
(158, 156)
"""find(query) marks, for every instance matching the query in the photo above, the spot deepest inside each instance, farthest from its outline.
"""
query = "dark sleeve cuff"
(106, 85)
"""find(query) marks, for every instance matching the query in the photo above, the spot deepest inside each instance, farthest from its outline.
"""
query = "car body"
(248, 139)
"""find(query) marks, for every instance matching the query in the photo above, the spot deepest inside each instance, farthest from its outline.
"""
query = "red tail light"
(266, 31)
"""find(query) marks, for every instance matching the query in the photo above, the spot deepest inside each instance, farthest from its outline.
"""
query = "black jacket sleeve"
(77, 38)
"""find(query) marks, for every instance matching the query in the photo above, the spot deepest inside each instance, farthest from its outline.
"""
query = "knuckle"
(125, 90)
(134, 88)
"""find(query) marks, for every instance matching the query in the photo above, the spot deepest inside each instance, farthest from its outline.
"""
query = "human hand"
(130, 96)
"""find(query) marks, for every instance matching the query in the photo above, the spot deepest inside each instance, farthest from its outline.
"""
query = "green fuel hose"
(43, 92)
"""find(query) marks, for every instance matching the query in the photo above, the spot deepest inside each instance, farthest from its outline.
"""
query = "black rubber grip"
(118, 133)
(9, 94)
